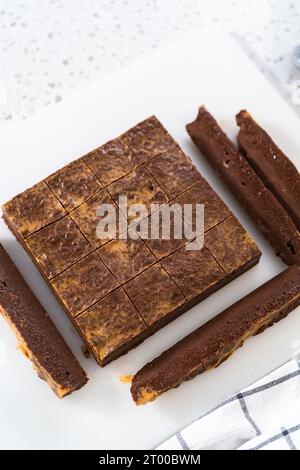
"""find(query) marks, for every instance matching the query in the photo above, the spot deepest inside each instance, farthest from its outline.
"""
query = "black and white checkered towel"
(265, 415)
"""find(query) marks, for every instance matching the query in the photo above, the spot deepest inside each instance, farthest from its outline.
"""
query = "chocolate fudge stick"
(39, 339)
(215, 341)
(261, 205)
(278, 173)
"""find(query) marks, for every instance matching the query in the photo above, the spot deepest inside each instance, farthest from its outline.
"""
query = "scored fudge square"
(86, 218)
(174, 172)
(231, 245)
(154, 294)
(32, 210)
(215, 210)
(139, 187)
(58, 246)
(160, 245)
(126, 258)
(110, 324)
(84, 284)
(73, 184)
(148, 139)
(194, 271)
(111, 161)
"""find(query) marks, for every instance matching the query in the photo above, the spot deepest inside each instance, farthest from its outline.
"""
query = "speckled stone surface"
(51, 49)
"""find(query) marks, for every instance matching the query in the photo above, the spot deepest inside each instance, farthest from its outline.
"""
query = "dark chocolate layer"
(39, 339)
(216, 340)
(262, 206)
(276, 170)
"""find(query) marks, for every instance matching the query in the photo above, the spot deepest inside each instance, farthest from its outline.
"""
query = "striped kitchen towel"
(265, 415)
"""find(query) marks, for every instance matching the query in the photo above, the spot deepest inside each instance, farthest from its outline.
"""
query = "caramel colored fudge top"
(120, 286)
(58, 246)
(112, 161)
(154, 294)
(73, 184)
(33, 210)
(110, 323)
(149, 139)
(230, 244)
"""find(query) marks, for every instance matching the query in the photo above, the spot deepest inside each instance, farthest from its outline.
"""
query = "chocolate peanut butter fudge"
(118, 291)
(267, 213)
(215, 341)
(276, 170)
(38, 338)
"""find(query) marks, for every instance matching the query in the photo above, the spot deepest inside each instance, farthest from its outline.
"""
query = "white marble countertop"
(51, 49)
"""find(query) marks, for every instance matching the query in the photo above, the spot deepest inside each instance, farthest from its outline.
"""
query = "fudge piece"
(154, 294)
(87, 219)
(120, 286)
(148, 139)
(278, 173)
(230, 245)
(195, 272)
(140, 188)
(111, 161)
(215, 210)
(38, 338)
(73, 184)
(126, 258)
(215, 341)
(58, 246)
(174, 172)
(84, 284)
(266, 212)
(111, 326)
(32, 210)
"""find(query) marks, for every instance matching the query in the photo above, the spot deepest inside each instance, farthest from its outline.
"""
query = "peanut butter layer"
(154, 294)
(174, 172)
(83, 284)
(194, 271)
(216, 340)
(140, 188)
(58, 246)
(112, 161)
(87, 218)
(110, 325)
(148, 139)
(230, 244)
(38, 338)
(126, 258)
(33, 209)
(276, 170)
(73, 184)
(260, 203)
(215, 210)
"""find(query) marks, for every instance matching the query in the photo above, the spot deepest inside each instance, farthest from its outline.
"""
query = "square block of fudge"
(32, 210)
(174, 172)
(111, 161)
(110, 324)
(231, 245)
(84, 284)
(194, 271)
(148, 139)
(73, 184)
(126, 258)
(58, 246)
(154, 294)
(86, 218)
(215, 210)
(164, 231)
(140, 188)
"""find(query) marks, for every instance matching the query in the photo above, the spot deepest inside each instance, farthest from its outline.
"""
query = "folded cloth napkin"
(265, 415)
